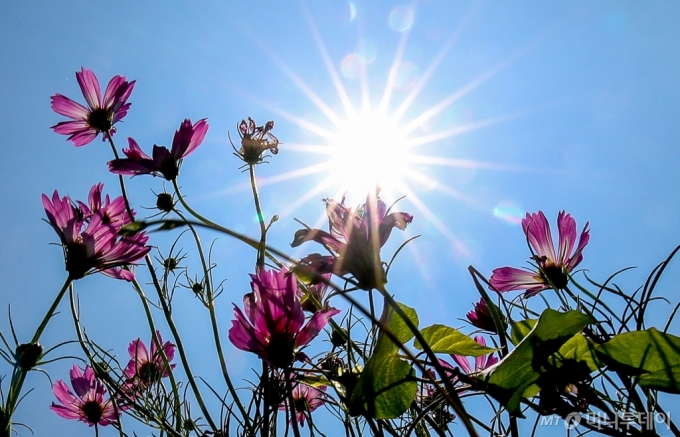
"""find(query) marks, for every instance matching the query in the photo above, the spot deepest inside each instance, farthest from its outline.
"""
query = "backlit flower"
(271, 324)
(551, 269)
(88, 404)
(163, 161)
(147, 368)
(90, 239)
(314, 293)
(355, 239)
(101, 114)
(306, 399)
(255, 141)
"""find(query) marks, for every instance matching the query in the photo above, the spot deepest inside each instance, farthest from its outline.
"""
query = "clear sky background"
(549, 105)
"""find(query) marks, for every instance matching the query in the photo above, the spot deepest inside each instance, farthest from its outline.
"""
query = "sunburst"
(368, 146)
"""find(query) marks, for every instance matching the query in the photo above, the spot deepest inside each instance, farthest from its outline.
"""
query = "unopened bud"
(28, 355)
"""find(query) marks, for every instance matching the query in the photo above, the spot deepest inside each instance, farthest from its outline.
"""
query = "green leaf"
(445, 340)
(521, 329)
(510, 379)
(386, 387)
(396, 325)
(653, 357)
(577, 348)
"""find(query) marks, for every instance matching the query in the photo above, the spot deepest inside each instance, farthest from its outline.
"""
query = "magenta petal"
(199, 131)
(510, 278)
(566, 226)
(89, 85)
(537, 229)
(315, 324)
(64, 106)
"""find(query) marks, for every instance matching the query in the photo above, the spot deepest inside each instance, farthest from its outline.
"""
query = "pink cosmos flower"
(90, 237)
(165, 162)
(306, 399)
(272, 324)
(481, 363)
(101, 114)
(147, 368)
(89, 406)
(355, 239)
(551, 268)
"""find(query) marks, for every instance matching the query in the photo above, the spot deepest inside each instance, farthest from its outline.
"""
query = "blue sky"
(560, 105)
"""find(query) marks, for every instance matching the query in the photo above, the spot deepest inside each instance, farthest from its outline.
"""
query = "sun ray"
(435, 184)
(392, 74)
(468, 163)
(429, 215)
(457, 130)
(470, 86)
(430, 69)
(344, 98)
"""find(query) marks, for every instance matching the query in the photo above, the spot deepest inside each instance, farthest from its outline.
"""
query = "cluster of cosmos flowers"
(272, 323)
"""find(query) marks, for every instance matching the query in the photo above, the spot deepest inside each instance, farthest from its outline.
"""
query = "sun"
(368, 150)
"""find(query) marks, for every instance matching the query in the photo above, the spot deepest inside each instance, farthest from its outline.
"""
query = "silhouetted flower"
(272, 324)
(90, 240)
(101, 114)
(306, 399)
(551, 269)
(147, 368)
(355, 239)
(88, 404)
(164, 162)
(255, 141)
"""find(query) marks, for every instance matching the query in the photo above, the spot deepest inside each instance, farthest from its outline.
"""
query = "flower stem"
(19, 373)
(260, 219)
(213, 320)
(166, 309)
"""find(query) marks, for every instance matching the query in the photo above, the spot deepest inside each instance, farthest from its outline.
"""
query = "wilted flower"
(481, 363)
(306, 399)
(97, 247)
(89, 406)
(551, 269)
(102, 114)
(272, 324)
(255, 140)
(355, 239)
(147, 368)
(165, 162)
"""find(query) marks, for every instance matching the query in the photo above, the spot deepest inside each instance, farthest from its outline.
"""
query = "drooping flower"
(88, 404)
(551, 269)
(355, 239)
(306, 399)
(90, 239)
(163, 161)
(255, 140)
(481, 363)
(101, 114)
(272, 326)
(146, 368)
